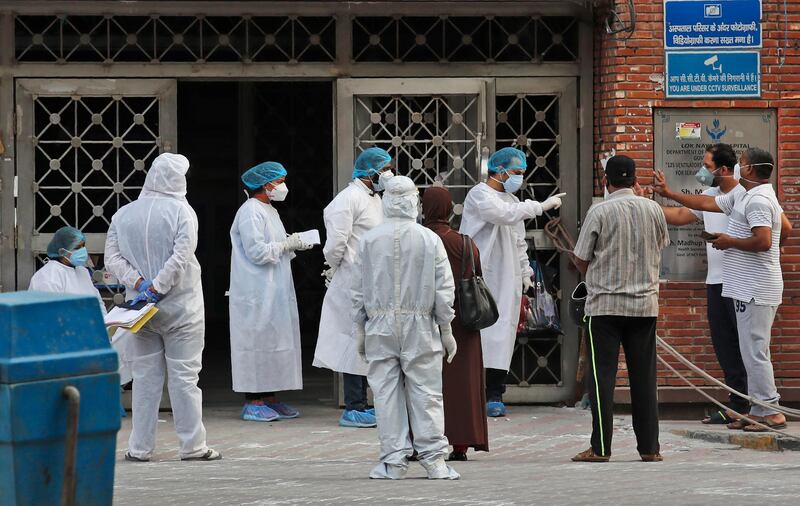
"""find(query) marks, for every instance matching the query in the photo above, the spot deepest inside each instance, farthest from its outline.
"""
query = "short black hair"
(621, 171)
(723, 155)
(761, 160)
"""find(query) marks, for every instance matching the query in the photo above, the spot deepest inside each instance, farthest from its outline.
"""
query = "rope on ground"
(721, 405)
(795, 413)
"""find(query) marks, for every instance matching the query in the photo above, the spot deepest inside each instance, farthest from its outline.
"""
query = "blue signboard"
(712, 24)
(709, 74)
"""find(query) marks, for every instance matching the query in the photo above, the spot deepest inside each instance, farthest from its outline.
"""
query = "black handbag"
(476, 305)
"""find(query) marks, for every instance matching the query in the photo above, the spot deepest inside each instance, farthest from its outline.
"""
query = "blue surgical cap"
(262, 174)
(507, 159)
(370, 162)
(65, 238)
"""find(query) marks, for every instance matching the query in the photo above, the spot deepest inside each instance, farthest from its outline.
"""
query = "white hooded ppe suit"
(155, 238)
(402, 290)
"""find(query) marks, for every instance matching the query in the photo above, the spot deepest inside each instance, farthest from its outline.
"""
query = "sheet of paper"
(126, 317)
(310, 237)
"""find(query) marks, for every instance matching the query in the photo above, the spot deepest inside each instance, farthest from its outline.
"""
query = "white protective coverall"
(155, 238)
(494, 220)
(56, 277)
(402, 290)
(265, 326)
(351, 214)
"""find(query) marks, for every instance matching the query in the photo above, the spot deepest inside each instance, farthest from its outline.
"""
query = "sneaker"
(284, 410)
(371, 411)
(495, 409)
(590, 456)
(253, 412)
(353, 418)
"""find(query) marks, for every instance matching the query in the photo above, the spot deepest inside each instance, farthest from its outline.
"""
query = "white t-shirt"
(753, 276)
(715, 223)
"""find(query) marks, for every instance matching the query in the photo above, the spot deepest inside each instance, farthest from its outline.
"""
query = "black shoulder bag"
(475, 302)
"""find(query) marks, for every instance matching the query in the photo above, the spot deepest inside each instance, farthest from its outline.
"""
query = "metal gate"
(436, 129)
(84, 146)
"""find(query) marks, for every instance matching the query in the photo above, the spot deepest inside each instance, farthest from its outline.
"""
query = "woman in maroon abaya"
(465, 423)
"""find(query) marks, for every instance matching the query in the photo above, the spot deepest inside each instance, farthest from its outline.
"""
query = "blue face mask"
(704, 176)
(513, 183)
(79, 257)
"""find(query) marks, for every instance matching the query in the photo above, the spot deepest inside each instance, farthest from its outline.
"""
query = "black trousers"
(257, 396)
(495, 384)
(355, 392)
(638, 339)
(725, 338)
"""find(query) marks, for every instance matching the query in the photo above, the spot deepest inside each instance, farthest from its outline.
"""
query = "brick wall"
(628, 86)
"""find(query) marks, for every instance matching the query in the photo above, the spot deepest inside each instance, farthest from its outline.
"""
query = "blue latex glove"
(148, 296)
(147, 283)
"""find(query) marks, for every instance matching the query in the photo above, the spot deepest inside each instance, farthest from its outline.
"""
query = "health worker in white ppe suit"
(494, 218)
(67, 271)
(150, 249)
(264, 322)
(403, 294)
(354, 211)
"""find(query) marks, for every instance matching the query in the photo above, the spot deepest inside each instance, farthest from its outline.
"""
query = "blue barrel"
(49, 342)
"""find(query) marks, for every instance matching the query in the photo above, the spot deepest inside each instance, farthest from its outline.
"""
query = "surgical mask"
(737, 172)
(513, 183)
(742, 178)
(380, 185)
(279, 193)
(704, 176)
(79, 257)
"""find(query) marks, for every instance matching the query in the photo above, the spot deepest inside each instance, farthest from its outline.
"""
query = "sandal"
(717, 418)
(207, 456)
(769, 425)
(741, 423)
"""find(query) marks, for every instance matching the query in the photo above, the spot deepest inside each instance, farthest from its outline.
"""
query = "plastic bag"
(541, 311)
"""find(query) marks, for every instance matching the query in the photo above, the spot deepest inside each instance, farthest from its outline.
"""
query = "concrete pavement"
(311, 460)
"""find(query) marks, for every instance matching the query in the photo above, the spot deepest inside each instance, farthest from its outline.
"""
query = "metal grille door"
(84, 148)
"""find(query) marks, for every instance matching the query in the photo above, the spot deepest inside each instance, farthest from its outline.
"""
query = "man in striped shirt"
(752, 275)
(619, 251)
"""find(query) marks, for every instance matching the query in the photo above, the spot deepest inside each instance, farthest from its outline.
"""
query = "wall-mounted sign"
(680, 158)
(707, 74)
(712, 24)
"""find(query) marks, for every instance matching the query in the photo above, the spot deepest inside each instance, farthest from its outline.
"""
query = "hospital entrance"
(224, 128)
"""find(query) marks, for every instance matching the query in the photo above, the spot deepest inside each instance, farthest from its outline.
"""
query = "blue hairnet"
(507, 159)
(262, 174)
(66, 238)
(370, 161)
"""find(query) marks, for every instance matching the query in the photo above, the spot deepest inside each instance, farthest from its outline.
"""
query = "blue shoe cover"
(284, 410)
(495, 409)
(353, 418)
(258, 413)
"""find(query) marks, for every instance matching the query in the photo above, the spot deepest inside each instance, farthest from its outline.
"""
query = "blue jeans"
(355, 392)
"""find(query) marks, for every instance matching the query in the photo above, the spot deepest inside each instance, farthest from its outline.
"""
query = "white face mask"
(279, 193)
(737, 172)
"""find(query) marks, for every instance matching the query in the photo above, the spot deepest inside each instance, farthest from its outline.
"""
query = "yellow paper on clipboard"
(144, 319)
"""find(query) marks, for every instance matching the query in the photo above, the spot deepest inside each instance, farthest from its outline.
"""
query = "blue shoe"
(122, 412)
(353, 418)
(495, 409)
(284, 410)
(259, 413)
(371, 411)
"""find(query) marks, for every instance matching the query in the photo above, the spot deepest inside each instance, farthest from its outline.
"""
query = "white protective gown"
(351, 214)
(265, 326)
(494, 220)
(155, 237)
(59, 278)
(56, 277)
(403, 289)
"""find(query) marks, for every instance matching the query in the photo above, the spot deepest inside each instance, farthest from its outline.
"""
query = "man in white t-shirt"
(720, 172)
(752, 275)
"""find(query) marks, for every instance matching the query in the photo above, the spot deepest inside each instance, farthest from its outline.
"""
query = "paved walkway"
(311, 460)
